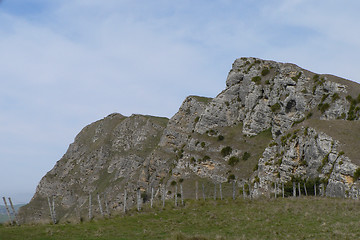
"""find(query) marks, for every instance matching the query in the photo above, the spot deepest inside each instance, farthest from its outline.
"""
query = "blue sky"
(67, 63)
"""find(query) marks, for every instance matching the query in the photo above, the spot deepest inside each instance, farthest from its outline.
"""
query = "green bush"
(173, 183)
(357, 174)
(335, 97)
(349, 98)
(196, 119)
(246, 156)
(324, 97)
(202, 144)
(325, 160)
(296, 78)
(144, 196)
(205, 158)
(276, 107)
(231, 177)
(226, 151)
(247, 188)
(265, 72)
(256, 80)
(233, 161)
(306, 131)
(273, 144)
(220, 138)
(309, 115)
(323, 107)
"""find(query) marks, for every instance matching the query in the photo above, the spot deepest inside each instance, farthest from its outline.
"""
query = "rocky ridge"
(259, 131)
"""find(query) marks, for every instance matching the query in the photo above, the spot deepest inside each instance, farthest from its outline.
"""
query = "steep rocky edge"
(272, 124)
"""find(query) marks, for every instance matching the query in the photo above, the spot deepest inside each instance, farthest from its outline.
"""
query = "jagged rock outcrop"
(268, 126)
(306, 154)
(105, 158)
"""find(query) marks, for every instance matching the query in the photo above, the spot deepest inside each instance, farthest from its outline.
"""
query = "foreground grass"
(304, 218)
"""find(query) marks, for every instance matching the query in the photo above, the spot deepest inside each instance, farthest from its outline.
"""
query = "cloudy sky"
(67, 63)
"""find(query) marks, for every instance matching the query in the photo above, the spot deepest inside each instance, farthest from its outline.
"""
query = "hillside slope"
(272, 124)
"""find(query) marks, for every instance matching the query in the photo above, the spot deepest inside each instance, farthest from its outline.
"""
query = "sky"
(67, 63)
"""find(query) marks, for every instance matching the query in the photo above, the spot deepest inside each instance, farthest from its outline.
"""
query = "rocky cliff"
(273, 123)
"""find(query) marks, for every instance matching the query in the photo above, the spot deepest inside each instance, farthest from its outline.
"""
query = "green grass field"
(301, 218)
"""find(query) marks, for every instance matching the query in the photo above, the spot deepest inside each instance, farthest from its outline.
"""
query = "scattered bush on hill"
(226, 151)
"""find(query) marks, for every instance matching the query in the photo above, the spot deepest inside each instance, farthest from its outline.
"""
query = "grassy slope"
(305, 218)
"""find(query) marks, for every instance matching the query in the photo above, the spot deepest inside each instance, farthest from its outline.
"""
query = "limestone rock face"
(264, 94)
(105, 157)
(306, 154)
(267, 126)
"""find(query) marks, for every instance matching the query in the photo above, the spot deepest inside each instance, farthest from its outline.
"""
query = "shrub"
(296, 78)
(342, 116)
(335, 97)
(256, 167)
(273, 144)
(247, 188)
(304, 91)
(324, 97)
(276, 107)
(309, 115)
(256, 80)
(265, 72)
(349, 98)
(325, 160)
(357, 174)
(316, 77)
(246, 156)
(226, 151)
(220, 138)
(303, 162)
(298, 121)
(323, 107)
(196, 119)
(306, 131)
(144, 196)
(173, 183)
(233, 161)
(205, 158)
(202, 144)
(231, 177)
